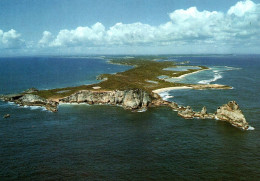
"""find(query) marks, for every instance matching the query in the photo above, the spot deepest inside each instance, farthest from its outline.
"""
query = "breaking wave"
(217, 76)
(165, 95)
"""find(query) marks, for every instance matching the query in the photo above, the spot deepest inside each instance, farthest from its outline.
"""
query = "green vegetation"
(143, 75)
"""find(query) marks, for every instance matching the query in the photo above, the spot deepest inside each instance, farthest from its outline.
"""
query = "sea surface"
(83, 142)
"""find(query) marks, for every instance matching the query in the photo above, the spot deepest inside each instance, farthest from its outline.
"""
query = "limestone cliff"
(129, 99)
(132, 99)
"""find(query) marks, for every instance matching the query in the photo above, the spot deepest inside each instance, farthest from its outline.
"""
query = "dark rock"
(7, 116)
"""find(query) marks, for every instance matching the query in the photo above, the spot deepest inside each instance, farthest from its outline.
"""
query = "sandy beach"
(158, 91)
(195, 86)
(191, 73)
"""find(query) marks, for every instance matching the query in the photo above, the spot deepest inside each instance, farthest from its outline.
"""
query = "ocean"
(98, 142)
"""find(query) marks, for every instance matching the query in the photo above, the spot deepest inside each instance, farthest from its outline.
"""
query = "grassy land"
(143, 75)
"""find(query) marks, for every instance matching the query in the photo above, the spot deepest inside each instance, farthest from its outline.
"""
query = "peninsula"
(136, 89)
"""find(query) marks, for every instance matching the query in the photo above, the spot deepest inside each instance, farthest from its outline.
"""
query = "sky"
(82, 27)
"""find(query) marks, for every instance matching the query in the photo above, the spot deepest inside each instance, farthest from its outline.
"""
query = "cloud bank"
(238, 27)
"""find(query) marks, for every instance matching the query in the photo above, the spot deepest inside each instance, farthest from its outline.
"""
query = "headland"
(134, 89)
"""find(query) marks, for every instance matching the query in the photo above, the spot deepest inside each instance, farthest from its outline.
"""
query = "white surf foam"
(217, 70)
(217, 76)
(73, 104)
(33, 107)
(11, 103)
(165, 95)
(251, 128)
(142, 110)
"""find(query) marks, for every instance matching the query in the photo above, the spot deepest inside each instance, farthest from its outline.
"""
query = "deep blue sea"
(83, 142)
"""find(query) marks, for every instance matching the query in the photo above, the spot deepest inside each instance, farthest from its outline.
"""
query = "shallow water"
(83, 142)
(181, 68)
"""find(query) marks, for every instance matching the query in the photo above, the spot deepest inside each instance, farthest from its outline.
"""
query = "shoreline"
(166, 89)
(194, 86)
(184, 75)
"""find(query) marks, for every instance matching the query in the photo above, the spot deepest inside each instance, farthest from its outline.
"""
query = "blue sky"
(61, 27)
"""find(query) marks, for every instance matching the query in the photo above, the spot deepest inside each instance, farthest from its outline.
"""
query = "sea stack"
(231, 113)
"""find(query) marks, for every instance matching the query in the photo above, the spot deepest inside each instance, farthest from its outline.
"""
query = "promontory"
(136, 89)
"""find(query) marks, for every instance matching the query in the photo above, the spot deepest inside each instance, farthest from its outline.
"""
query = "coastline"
(166, 89)
(184, 75)
(194, 86)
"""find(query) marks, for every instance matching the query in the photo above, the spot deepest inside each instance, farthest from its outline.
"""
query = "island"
(135, 89)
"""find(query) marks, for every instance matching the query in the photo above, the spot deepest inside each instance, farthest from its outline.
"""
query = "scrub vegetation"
(143, 75)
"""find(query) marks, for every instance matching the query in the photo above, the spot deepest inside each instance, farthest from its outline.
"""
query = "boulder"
(6, 116)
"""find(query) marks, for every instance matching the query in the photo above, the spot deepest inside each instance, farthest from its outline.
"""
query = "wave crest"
(216, 77)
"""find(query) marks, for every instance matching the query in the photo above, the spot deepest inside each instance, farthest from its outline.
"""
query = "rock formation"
(31, 100)
(231, 113)
(186, 113)
(129, 99)
(7, 116)
(228, 112)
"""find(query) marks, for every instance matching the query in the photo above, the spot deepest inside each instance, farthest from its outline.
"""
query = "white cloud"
(10, 40)
(238, 28)
(240, 25)
(46, 38)
(81, 36)
(242, 7)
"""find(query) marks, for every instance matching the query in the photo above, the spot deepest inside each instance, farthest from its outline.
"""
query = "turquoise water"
(83, 142)
(181, 68)
(209, 76)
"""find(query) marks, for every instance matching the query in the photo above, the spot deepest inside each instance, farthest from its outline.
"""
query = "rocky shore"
(28, 99)
(129, 99)
(133, 99)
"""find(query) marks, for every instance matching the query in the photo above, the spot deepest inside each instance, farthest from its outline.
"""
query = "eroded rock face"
(31, 100)
(129, 99)
(231, 113)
